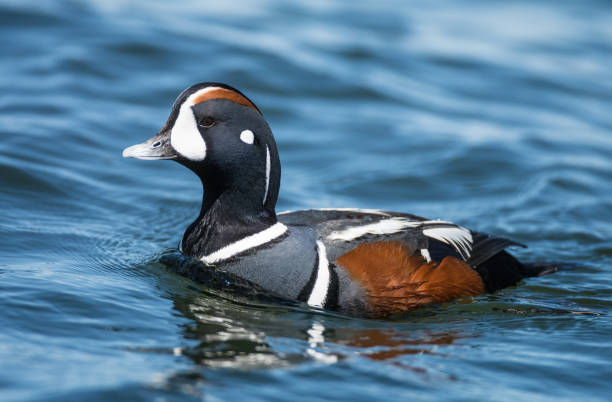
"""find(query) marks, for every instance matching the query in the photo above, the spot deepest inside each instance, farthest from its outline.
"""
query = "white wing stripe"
(359, 210)
(382, 227)
(457, 237)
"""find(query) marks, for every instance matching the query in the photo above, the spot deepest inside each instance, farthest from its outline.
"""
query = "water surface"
(495, 115)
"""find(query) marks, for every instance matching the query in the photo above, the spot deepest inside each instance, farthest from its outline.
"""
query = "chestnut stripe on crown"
(222, 93)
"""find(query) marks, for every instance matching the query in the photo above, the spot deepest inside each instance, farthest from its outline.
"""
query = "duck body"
(365, 263)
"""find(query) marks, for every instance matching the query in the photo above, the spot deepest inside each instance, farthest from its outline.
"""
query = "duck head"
(220, 135)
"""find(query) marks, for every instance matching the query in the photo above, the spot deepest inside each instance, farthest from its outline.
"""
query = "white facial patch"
(247, 137)
(185, 136)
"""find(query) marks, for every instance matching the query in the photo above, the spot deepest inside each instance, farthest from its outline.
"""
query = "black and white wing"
(344, 229)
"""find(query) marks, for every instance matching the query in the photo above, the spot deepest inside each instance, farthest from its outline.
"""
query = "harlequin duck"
(357, 262)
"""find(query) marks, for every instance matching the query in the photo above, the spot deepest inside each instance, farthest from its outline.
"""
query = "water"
(495, 115)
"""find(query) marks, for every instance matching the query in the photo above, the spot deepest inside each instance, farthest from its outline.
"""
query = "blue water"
(496, 115)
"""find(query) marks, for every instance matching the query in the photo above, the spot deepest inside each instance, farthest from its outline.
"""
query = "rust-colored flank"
(222, 93)
(397, 279)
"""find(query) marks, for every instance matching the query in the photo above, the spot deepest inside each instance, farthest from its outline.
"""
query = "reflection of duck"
(233, 334)
(358, 262)
(391, 344)
(226, 336)
(376, 344)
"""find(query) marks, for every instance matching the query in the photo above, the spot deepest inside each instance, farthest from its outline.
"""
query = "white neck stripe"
(319, 290)
(267, 174)
(245, 243)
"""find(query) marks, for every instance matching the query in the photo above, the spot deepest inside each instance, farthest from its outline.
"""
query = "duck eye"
(206, 122)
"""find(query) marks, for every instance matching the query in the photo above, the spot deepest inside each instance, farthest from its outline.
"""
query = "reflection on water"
(228, 334)
(316, 341)
(389, 343)
(225, 341)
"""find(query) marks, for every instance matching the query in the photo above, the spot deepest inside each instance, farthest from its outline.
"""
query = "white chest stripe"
(246, 243)
(267, 174)
(319, 291)
(457, 237)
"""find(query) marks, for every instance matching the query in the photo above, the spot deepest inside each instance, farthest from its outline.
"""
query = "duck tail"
(544, 268)
(503, 270)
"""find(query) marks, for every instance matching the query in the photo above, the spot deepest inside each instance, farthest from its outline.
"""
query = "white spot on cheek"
(247, 137)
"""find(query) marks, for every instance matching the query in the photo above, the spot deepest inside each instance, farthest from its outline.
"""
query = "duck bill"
(158, 147)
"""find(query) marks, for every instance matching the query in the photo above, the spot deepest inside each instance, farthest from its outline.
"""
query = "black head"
(219, 134)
